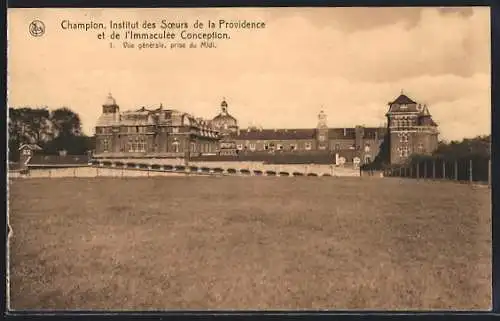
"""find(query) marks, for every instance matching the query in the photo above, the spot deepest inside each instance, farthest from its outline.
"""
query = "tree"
(28, 126)
(53, 131)
(65, 122)
(72, 144)
(479, 146)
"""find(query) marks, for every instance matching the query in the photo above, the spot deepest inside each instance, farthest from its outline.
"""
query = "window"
(403, 151)
(175, 130)
(321, 138)
(239, 146)
(252, 147)
(420, 147)
(266, 146)
(367, 148)
(403, 137)
(308, 146)
(105, 145)
(279, 146)
(404, 106)
(337, 147)
(135, 144)
(142, 145)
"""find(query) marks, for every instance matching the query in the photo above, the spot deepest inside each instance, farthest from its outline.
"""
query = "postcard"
(249, 159)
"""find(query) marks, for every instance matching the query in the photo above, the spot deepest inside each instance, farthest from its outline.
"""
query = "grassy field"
(248, 243)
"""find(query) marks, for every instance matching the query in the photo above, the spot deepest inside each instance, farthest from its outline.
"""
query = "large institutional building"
(163, 132)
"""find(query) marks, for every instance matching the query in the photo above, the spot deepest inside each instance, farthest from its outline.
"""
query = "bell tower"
(110, 106)
(322, 131)
(223, 106)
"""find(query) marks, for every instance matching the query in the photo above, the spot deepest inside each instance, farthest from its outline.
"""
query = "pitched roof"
(372, 132)
(306, 133)
(426, 120)
(108, 119)
(342, 133)
(277, 134)
(30, 146)
(403, 100)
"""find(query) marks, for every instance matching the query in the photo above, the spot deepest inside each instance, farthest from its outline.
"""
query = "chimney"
(345, 131)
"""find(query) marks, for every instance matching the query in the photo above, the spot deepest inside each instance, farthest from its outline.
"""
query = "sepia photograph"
(235, 159)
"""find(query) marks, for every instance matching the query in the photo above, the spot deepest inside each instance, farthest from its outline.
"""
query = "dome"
(224, 119)
(110, 101)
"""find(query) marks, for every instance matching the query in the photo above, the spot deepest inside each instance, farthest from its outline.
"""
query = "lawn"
(248, 243)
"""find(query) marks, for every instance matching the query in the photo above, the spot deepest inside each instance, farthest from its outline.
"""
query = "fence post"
(444, 169)
(425, 169)
(411, 171)
(433, 169)
(418, 171)
(456, 170)
(470, 171)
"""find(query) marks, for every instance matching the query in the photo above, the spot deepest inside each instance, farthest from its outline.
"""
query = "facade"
(172, 133)
(412, 129)
(359, 144)
(152, 133)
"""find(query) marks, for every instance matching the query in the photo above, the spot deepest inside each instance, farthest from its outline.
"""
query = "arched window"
(176, 146)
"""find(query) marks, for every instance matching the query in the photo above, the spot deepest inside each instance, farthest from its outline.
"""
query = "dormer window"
(404, 106)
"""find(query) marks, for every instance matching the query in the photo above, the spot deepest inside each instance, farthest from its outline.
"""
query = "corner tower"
(411, 129)
(107, 127)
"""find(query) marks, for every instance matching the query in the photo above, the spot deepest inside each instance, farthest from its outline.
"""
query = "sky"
(349, 62)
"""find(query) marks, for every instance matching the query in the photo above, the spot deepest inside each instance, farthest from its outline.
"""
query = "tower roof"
(110, 101)
(403, 100)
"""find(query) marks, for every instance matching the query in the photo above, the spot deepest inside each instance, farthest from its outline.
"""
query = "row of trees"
(52, 130)
(476, 149)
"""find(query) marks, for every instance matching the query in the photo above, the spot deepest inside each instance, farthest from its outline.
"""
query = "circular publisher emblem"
(37, 28)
